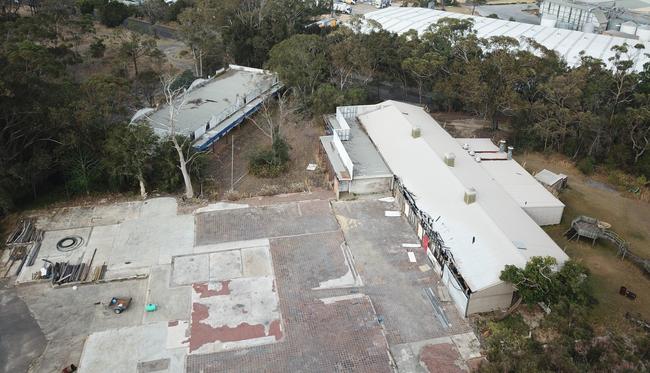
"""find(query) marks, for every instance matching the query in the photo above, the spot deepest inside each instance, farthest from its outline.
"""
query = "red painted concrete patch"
(202, 334)
(204, 292)
(275, 330)
(440, 358)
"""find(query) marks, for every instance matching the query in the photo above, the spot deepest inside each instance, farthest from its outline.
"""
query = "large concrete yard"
(297, 284)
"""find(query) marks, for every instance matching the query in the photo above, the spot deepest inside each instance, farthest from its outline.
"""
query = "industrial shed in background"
(567, 43)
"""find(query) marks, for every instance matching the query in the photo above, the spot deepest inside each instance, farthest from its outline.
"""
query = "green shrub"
(586, 166)
(270, 162)
(113, 14)
(97, 48)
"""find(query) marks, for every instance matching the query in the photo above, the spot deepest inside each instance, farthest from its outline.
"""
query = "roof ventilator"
(450, 159)
(470, 196)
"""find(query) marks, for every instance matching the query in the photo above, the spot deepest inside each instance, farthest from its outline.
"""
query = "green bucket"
(151, 307)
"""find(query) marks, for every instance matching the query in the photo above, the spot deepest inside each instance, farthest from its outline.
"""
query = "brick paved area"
(351, 334)
(394, 284)
(343, 336)
(264, 222)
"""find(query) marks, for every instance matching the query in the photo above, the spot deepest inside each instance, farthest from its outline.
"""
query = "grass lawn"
(629, 217)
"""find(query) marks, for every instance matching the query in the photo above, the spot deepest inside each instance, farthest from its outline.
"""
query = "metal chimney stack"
(502, 146)
(510, 148)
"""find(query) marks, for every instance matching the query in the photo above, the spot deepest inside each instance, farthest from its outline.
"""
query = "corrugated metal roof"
(567, 43)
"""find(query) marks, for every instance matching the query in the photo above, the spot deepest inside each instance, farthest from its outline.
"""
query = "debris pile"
(24, 233)
(66, 272)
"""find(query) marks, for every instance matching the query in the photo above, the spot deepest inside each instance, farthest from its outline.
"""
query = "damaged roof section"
(216, 105)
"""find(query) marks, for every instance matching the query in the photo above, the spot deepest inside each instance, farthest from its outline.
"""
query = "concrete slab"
(149, 241)
(67, 316)
(225, 265)
(189, 269)
(139, 347)
(225, 246)
(86, 216)
(21, 341)
(220, 206)
(173, 303)
(468, 345)
(178, 334)
(159, 207)
(256, 262)
(49, 251)
(233, 314)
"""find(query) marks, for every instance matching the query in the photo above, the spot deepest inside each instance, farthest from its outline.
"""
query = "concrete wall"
(490, 299)
(371, 185)
(545, 215)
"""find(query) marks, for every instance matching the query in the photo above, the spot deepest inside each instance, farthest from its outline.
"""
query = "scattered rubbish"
(392, 213)
(387, 199)
(151, 307)
(627, 293)
(311, 167)
(74, 287)
(119, 305)
(69, 243)
(412, 245)
(380, 319)
(411, 257)
(424, 268)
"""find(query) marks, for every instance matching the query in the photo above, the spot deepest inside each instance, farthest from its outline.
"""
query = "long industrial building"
(216, 105)
(567, 43)
(474, 208)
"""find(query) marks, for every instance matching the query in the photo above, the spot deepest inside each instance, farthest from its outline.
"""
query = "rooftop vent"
(415, 132)
(472, 153)
(478, 159)
(450, 159)
(466, 146)
(470, 196)
(502, 146)
(510, 148)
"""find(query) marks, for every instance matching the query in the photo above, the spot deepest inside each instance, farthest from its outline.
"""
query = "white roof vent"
(466, 146)
(470, 196)
(450, 159)
(472, 153)
(478, 158)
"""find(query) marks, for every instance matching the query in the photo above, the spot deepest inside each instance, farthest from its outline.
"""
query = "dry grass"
(303, 137)
(629, 217)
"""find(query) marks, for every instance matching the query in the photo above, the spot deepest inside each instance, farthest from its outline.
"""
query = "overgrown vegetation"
(564, 340)
(270, 162)
(594, 114)
(67, 133)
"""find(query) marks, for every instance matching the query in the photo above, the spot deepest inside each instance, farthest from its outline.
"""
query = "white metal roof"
(567, 43)
(512, 177)
(495, 220)
(210, 99)
(549, 177)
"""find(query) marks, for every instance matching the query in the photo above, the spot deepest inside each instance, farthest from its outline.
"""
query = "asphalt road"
(21, 339)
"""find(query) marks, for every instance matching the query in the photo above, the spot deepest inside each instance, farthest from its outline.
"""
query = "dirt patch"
(441, 358)
(630, 218)
(303, 137)
(465, 125)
